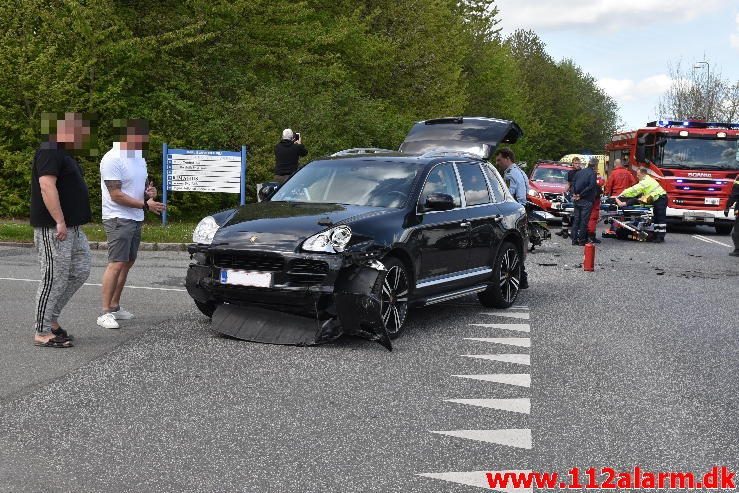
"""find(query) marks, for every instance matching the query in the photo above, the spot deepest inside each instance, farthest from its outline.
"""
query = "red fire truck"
(696, 162)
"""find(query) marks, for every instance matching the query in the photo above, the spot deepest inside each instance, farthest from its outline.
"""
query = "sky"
(629, 45)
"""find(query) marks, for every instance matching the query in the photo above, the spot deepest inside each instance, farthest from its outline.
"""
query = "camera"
(296, 136)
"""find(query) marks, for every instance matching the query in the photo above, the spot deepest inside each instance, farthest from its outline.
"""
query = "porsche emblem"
(253, 239)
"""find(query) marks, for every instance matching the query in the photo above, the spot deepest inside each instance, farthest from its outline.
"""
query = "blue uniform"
(518, 183)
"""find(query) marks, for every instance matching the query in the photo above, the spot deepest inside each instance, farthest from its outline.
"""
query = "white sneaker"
(122, 314)
(107, 321)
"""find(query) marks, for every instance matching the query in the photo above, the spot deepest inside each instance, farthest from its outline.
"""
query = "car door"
(441, 238)
(483, 216)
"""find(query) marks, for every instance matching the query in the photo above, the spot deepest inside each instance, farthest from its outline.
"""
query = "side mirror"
(439, 202)
(268, 190)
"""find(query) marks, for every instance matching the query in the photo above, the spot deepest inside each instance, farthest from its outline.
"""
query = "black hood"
(285, 225)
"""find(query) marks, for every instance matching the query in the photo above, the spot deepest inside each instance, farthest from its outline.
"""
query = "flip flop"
(63, 334)
(54, 342)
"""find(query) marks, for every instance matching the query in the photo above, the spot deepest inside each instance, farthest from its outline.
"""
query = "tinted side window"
(474, 184)
(442, 180)
(495, 185)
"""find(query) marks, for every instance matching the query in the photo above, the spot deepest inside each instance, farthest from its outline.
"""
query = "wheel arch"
(516, 239)
(405, 257)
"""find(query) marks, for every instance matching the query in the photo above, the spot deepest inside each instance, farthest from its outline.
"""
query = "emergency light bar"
(692, 124)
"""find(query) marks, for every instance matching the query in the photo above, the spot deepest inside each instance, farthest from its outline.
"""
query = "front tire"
(506, 281)
(394, 297)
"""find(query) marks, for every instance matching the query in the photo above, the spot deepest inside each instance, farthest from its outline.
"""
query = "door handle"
(465, 224)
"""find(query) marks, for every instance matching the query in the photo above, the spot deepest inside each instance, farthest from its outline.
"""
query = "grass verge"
(21, 231)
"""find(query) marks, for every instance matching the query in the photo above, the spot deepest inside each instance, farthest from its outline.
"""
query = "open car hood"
(474, 135)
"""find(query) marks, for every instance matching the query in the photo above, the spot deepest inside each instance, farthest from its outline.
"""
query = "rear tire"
(723, 229)
(207, 309)
(394, 297)
(506, 279)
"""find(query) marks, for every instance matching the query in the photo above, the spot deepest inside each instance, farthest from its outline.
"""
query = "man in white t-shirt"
(126, 195)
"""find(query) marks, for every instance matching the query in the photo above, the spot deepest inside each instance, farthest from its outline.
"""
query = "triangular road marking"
(513, 405)
(507, 314)
(516, 327)
(519, 438)
(477, 479)
(519, 379)
(519, 359)
(511, 341)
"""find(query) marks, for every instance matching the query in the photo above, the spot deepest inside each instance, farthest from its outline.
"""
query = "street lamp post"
(708, 80)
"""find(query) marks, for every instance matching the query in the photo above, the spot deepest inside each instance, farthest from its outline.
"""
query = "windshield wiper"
(715, 166)
(675, 166)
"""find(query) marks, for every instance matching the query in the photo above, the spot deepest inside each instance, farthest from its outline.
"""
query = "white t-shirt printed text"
(128, 167)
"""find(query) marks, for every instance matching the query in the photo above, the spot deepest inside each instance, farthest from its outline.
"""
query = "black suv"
(348, 244)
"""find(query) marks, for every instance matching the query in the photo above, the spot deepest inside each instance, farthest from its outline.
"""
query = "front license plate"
(712, 201)
(244, 278)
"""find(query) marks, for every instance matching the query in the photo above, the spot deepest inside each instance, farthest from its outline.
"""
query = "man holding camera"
(288, 152)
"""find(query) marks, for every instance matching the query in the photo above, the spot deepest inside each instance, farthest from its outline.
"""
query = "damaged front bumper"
(312, 299)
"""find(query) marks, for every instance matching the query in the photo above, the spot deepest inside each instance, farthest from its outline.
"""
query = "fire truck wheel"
(723, 229)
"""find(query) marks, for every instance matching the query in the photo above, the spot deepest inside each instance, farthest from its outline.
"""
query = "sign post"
(187, 170)
(164, 183)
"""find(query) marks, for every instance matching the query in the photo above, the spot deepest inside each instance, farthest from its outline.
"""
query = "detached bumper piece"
(251, 323)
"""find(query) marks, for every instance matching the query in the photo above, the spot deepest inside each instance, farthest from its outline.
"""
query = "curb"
(102, 245)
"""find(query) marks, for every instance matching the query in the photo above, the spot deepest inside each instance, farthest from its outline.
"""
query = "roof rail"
(356, 151)
(440, 153)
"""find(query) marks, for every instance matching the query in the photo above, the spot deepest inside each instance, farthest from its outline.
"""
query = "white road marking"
(711, 240)
(477, 479)
(519, 359)
(519, 379)
(516, 327)
(507, 314)
(511, 341)
(522, 406)
(704, 240)
(148, 288)
(518, 438)
(519, 307)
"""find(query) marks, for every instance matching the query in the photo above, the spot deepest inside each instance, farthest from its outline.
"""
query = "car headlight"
(205, 231)
(332, 241)
(534, 193)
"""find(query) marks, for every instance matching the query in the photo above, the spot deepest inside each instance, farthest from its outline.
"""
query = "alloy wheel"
(394, 299)
(510, 275)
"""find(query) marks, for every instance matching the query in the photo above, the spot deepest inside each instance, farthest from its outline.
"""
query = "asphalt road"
(633, 365)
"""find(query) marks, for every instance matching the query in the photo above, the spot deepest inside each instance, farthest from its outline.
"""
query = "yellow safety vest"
(648, 190)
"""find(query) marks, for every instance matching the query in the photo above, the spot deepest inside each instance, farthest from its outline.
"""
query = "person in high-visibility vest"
(648, 191)
(734, 202)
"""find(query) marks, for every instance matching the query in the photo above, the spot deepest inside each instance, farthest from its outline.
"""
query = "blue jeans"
(580, 218)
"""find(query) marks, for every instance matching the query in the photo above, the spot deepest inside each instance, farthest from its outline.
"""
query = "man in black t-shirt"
(288, 152)
(59, 206)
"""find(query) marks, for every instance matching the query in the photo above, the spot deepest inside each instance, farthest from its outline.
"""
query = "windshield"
(550, 175)
(700, 153)
(352, 182)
